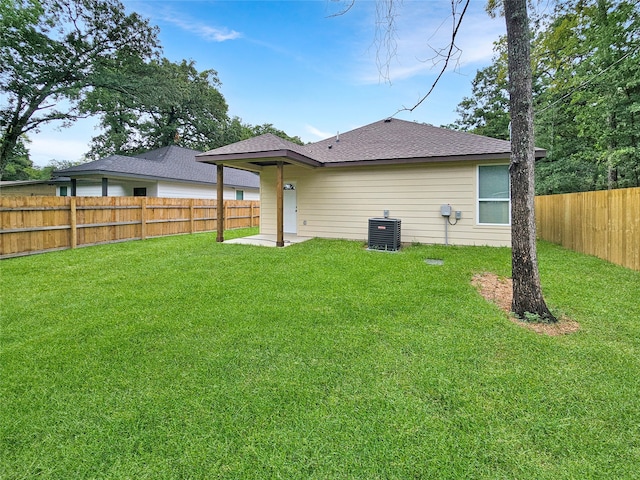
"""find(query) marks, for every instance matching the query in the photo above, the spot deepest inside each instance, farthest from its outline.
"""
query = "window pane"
(494, 212)
(494, 181)
(239, 195)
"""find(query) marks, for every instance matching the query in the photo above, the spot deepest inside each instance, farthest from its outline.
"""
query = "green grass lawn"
(179, 357)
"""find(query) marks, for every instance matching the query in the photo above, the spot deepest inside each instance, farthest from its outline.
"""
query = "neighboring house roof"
(385, 141)
(167, 163)
(20, 183)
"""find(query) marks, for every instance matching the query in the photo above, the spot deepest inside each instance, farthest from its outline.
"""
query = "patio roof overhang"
(256, 161)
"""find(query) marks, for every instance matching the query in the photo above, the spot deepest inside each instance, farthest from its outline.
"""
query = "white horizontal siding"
(186, 190)
(95, 190)
(117, 188)
(337, 203)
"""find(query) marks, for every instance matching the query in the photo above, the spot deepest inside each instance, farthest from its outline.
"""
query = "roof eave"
(404, 161)
(539, 153)
(260, 158)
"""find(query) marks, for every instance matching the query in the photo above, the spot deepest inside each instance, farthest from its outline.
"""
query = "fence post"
(74, 223)
(143, 218)
(191, 216)
(251, 214)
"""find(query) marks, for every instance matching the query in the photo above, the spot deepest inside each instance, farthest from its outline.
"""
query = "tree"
(586, 76)
(236, 131)
(166, 103)
(589, 110)
(486, 112)
(19, 166)
(46, 172)
(527, 292)
(52, 52)
(269, 128)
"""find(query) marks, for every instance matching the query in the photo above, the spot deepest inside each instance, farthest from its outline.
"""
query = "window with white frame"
(494, 204)
(239, 194)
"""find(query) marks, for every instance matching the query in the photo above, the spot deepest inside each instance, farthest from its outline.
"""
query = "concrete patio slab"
(268, 240)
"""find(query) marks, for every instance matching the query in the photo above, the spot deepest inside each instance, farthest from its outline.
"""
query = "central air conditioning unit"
(384, 234)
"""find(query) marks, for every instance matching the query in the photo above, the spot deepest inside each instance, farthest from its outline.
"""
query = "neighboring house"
(30, 188)
(171, 172)
(409, 170)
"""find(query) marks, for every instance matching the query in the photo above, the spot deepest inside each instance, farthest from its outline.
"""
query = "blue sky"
(311, 74)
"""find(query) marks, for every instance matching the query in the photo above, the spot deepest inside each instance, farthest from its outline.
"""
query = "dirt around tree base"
(499, 291)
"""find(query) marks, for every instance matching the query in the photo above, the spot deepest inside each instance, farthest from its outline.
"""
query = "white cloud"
(204, 31)
(317, 132)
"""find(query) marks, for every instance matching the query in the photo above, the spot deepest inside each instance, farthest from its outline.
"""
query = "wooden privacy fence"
(604, 223)
(40, 224)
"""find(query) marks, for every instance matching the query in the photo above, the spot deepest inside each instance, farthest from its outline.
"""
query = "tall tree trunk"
(527, 294)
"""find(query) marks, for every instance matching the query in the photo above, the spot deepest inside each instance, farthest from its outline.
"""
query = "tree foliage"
(486, 112)
(164, 103)
(61, 60)
(53, 52)
(237, 131)
(589, 108)
(20, 166)
(255, 130)
(586, 85)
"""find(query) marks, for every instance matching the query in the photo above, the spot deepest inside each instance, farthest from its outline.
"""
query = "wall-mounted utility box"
(384, 234)
(445, 210)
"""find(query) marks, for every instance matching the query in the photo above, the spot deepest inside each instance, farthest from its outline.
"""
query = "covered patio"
(264, 240)
(254, 155)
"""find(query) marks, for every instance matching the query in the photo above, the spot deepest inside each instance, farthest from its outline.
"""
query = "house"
(407, 170)
(30, 188)
(166, 172)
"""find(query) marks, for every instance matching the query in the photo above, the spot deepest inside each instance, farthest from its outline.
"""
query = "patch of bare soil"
(498, 290)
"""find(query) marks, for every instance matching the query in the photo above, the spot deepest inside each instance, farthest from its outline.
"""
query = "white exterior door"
(290, 212)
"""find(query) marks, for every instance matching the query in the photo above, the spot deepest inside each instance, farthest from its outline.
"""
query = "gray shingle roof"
(399, 139)
(169, 163)
(389, 140)
(263, 143)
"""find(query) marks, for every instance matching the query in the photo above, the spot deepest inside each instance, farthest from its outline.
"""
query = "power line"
(589, 80)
